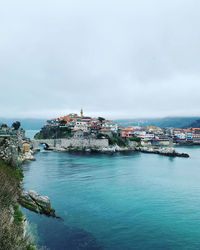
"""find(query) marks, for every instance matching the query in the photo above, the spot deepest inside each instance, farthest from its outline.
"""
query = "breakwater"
(167, 151)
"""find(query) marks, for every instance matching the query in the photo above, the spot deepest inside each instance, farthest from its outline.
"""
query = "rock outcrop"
(10, 148)
(37, 203)
(131, 146)
(12, 152)
(28, 156)
(162, 151)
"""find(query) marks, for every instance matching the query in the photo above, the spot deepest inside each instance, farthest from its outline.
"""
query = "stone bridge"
(51, 143)
(66, 143)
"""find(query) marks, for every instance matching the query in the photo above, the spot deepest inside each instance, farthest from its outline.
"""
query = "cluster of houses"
(184, 136)
(85, 126)
(151, 135)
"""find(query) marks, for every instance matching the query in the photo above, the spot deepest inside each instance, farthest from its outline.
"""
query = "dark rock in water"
(162, 151)
(37, 203)
(182, 155)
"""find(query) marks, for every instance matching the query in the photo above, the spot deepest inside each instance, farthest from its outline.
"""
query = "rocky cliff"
(12, 221)
(11, 149)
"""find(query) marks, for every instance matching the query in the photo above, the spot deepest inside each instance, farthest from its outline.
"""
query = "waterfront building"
(196, 135)
(189, 136)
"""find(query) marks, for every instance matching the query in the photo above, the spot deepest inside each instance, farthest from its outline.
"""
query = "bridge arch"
(48, 143)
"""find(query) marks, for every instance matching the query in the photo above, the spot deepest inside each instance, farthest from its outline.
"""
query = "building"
(77, 133)
(26, 146)
(157, 142)
(94, 128)
(84, 126)
(128, 132)
(196, 136)
(189, 136)
(113, 126)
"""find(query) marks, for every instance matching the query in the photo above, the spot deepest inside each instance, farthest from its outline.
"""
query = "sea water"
(120, 201)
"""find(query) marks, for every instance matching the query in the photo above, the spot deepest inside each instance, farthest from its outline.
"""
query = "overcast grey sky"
(119, 59)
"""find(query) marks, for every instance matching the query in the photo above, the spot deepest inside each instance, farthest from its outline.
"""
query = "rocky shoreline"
(36, 203)
(162, 151)
(166, 151)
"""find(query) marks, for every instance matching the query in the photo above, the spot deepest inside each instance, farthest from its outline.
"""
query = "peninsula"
(83, 133)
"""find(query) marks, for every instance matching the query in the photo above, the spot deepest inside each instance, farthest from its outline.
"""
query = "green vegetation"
(31, 247)
(18, 215)
(28, 205)
(15, 173)
(101, 119)
(195, 124)
(16, 125)
(53, 133)
(176, 122)
(11, 232)
(120, 142)
(136, 139)
(4, 125)
(113, 140)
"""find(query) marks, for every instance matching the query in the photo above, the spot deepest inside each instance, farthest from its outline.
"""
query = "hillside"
(195, 124)
(12, 219)
(177, 122)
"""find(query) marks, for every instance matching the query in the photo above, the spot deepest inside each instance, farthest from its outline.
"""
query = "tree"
(4, 125)
(62, 122)
(16, 125)
(101, 119)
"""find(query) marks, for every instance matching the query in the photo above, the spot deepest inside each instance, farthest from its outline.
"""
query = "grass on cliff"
(11, 228)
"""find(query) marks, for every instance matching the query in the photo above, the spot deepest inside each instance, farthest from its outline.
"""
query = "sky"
(116, 59)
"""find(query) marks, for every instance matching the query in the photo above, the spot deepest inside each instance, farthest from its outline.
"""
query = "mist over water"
(121, 201)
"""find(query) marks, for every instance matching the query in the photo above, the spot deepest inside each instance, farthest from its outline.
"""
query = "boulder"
(37, 203)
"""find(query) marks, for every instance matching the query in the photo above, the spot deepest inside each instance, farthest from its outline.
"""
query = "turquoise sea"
(120, 202)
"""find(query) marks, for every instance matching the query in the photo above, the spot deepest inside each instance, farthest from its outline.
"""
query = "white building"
(82, 125)
(113, 126)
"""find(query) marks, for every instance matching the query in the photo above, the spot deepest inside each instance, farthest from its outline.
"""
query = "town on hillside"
(81, 126)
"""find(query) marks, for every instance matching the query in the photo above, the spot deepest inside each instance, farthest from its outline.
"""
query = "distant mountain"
(26, 123)
(195, 124)
(177, 122)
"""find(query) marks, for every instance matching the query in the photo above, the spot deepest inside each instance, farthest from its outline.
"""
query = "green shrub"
(119, 141)
(136, 139)
(16, 173)
(18, 215)
(30, 247)
(11, 234)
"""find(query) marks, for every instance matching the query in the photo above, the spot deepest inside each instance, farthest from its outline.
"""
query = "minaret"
(81, 113)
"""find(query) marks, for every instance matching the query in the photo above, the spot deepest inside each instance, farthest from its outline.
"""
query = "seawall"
(71, 143)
